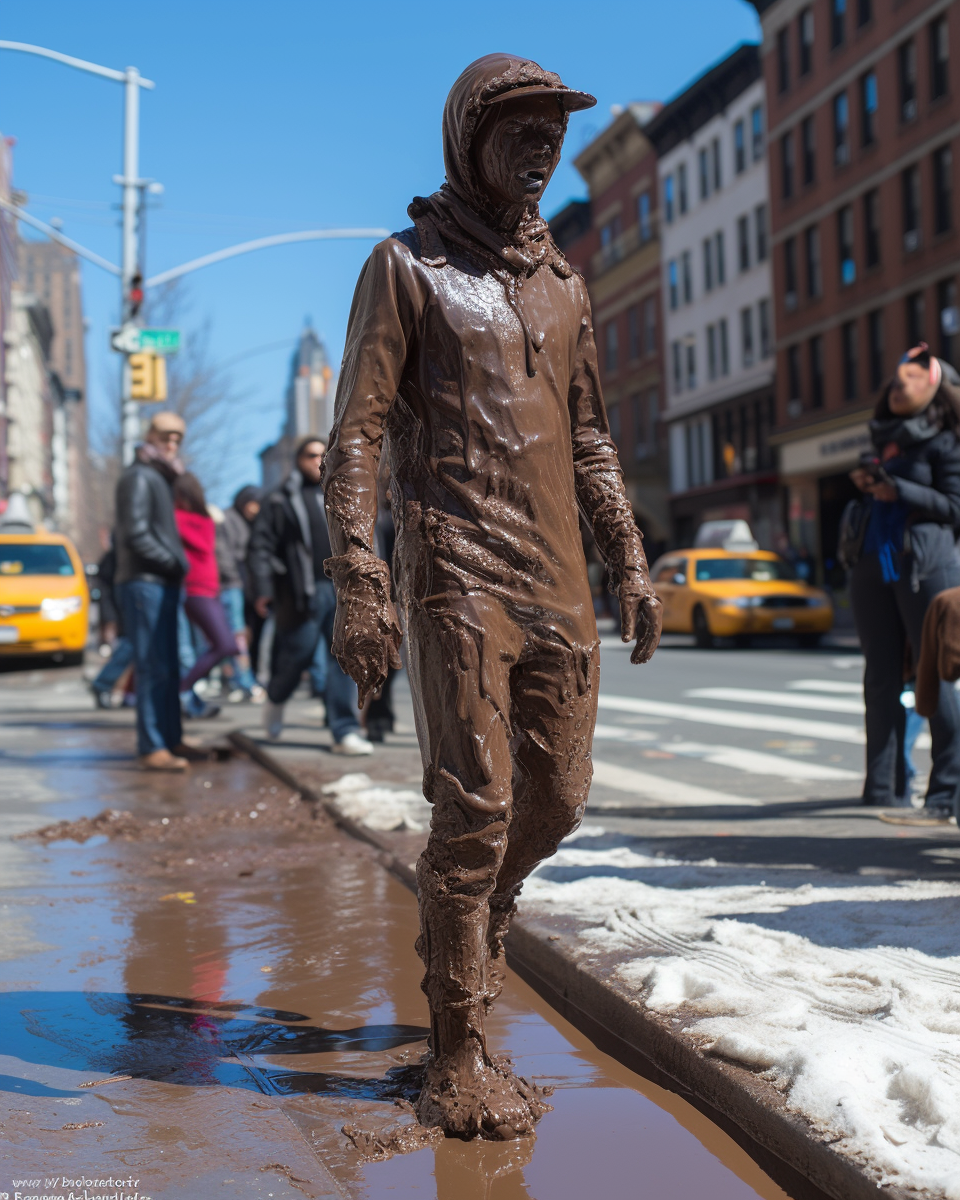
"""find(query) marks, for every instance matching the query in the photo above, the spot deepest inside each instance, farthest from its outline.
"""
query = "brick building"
(613, 240)
(862, 122)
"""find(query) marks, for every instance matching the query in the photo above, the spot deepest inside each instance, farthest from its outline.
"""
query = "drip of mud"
(267, 1037)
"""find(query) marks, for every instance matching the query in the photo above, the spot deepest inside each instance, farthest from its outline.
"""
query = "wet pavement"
(204, 991)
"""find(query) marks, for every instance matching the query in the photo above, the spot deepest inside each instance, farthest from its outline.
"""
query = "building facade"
(613, 240)
(308, 403)
(717, 300)
(863, 123)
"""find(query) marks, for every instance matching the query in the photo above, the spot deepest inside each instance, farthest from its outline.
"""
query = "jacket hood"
(244, 496)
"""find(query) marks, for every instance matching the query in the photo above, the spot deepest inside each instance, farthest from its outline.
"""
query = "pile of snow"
(846, 996)
(379, 806)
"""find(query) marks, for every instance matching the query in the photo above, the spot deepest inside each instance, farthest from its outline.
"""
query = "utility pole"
(130, 265)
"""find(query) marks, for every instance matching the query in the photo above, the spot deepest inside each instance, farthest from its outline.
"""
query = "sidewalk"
(796, 968)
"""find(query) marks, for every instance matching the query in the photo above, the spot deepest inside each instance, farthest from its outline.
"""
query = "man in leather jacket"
(151, 565)
(470, 349)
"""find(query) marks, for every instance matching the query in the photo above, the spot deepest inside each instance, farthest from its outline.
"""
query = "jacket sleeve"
(941, 501)
(133, 500)
(382, 322)
(262, 551)
(597, 473)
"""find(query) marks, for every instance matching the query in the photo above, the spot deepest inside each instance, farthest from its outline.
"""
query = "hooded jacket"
(233, 540)
(472, 349)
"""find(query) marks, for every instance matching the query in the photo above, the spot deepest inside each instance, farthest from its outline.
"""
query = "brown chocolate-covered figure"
(470, 347)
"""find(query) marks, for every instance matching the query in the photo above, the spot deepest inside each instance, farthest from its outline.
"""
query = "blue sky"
(269, 118)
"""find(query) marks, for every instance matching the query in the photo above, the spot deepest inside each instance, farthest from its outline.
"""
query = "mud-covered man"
(470, 352)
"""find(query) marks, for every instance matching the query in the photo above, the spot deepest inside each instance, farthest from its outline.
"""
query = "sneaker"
(273, 720)
(258, 695)
(162, 760)
(236, 696)
(103, 698)
(191, 753)
(353, 744)
(919, 816)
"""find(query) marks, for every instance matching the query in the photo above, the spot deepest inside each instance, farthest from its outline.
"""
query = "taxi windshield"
(29, 558)
(760, 570)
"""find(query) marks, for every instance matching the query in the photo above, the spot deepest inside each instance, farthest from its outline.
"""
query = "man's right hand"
(261, 606)
(366, 633)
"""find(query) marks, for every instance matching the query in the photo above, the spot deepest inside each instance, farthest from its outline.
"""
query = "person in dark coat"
(236, 593)
(112, 633)
(907, 556)
(288, 547)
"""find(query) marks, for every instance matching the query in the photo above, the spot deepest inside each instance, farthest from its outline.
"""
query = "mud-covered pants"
(505, 714)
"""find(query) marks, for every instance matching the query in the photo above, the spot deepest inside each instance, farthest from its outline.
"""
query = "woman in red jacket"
(202, 582)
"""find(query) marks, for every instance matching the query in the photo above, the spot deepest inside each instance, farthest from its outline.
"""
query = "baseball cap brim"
(570, 100)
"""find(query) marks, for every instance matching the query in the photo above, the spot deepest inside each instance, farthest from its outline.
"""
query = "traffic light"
(148, 377)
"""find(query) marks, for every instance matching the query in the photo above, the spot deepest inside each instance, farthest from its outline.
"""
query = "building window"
(724, 337)
(612, 347)
(808, 149)
(712, 363)
(916, 318)
(811, 246)
(816, 371)
(864, 12)
(868, 108)
(805, 31)
(703, 160)
(673, 283)
(650, 325)
(634, 346)
(760, 225)
(639, 432)
(746, 337)
(643, 217)
(910, 188)
(682, 204)
(613, 420)
(947, 309)
(687, 274)
(708, 264)
(668, 200)
(942, 189)
(848, 346)
(939, 58)
(794, 386)
(871, 227)
(677, 364)
(653, 418)
(848, 265)
(691, 357)
(790, 273)
(875, 347)
(756, 131)
(783, 59)
(907, 70)
(841, 129)
(720, 258)
(743, 243)
(838, 22)
(786, 165)
(766, 328)
(716, 164)
(739, 147)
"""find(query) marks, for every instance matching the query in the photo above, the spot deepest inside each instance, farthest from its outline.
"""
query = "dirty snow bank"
(847, 997)
(379, 806)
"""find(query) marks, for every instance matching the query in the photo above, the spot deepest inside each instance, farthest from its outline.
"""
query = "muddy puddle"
(202, 999)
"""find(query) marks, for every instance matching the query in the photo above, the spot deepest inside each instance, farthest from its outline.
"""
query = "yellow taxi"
(44, 599)
(713, 593)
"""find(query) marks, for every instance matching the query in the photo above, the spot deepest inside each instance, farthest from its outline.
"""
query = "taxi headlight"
(58, 608)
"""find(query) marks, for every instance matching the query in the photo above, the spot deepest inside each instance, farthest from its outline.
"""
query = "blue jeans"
(318, 668)
(232, 599)
(114, 667)
(150, 620)
(293, 652)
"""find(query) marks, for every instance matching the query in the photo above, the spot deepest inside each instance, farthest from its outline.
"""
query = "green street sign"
(160, 341)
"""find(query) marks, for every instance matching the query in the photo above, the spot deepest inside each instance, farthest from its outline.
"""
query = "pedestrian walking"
(150, 567)
(112, 633)
(288, 547)
(898, 542)
(236, 593)
(202, 581)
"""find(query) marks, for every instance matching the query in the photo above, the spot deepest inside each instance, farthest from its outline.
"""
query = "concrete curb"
(746, 1107)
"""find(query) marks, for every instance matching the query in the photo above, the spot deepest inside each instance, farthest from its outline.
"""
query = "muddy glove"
(366, 633)
(641, 614)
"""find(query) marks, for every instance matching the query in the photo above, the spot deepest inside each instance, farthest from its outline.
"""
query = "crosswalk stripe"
(836, 686)
(778, 699)
(646, 785)
(755, 762)
(826, 731)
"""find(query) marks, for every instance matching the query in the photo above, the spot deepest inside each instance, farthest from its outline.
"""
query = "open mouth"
(533, 179)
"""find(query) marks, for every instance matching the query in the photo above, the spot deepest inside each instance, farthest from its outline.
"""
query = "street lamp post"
(130, 181)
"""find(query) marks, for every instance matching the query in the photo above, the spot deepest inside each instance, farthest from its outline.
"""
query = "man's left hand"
(641, 617)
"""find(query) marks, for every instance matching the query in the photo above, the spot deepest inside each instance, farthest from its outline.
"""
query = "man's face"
(168, 442)
(310, 461)
(250, 509)
(517, 148)
(912, 390)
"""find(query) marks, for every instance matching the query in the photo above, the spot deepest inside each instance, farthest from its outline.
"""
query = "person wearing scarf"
(908, 555)
(470, 352)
